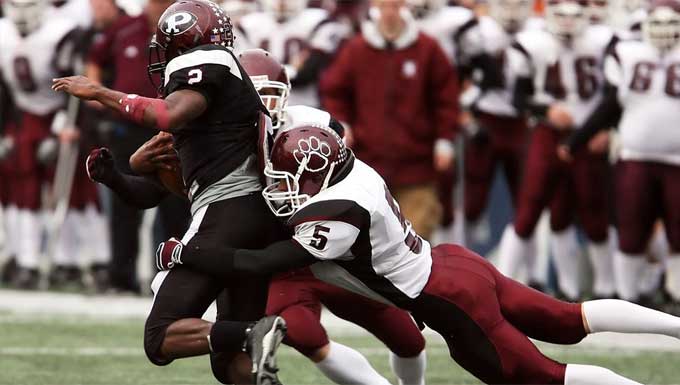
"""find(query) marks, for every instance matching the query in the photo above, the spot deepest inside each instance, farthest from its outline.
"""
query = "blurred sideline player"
(641, 98)
(349, 228)
(34, 50)
(284, 28)
(499, 133)
(559, 81)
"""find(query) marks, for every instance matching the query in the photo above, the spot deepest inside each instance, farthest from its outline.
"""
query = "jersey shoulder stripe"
(340, 210)
(203, 56)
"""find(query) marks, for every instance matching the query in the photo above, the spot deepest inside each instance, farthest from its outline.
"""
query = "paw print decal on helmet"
(312, 153)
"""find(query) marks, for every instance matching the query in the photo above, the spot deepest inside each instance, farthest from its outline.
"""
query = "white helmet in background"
(566, 18)
(624, 14)
(511, 14)
(238, 8)
(422, 8)
(284, 9)
(661, 28)
(27, 15)
(598, 11)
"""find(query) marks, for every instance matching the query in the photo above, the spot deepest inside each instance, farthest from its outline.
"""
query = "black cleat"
(26, 279)
(264, 337)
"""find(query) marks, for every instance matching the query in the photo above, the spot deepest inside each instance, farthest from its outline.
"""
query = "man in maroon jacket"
(397, 92)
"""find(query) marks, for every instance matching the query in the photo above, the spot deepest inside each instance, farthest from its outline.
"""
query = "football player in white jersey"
(498, 134)
(34, 49)
(626, 17)
(349, 228)
(642, 96)
(297, 296)
(452, 26)
(284, 28)
(559, 79)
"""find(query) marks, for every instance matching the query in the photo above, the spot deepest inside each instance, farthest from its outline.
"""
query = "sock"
(613, 315)
(98, 242)
(344, 365)
(594, 375)
(67, 248)
(227, 336)
(564, 248)
(11, 223)
(603, 269)
(512, 252)
(410, 370)
(650, 278)
(627, 270)
(30, 233)
(673, 276)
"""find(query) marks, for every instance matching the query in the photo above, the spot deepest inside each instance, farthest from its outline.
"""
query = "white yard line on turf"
(48, 307)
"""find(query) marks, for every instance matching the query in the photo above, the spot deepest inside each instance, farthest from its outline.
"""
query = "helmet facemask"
(566, 19)
(274, 95)
(662, 28)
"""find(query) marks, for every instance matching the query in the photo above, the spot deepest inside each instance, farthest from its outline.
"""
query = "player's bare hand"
(443, 162)
(599, 144)
(157, 153)
(564, 153)
(560, 117)
(78, 86)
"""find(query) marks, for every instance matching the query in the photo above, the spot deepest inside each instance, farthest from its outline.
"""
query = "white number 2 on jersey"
(195, 76)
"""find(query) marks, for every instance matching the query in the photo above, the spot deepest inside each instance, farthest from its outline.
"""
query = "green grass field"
(59, 350)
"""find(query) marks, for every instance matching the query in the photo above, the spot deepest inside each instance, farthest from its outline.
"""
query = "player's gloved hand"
(169, 254)
(99, 165)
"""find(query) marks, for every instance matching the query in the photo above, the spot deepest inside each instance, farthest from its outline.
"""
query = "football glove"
(99, 165)
(169, 254)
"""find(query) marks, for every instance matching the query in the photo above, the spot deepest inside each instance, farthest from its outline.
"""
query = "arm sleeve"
(605, 115)
(138, 191)
(311, 69)
(444, 83)
(223, 261)
(337, 86)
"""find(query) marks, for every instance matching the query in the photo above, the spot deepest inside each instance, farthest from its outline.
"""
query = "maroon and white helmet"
(303, 162)
(661, 28)
(270, 80)
(187, 24)
(566, 18)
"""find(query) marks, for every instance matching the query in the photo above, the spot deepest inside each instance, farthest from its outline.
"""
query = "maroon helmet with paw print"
(187, 24)
(303, 162)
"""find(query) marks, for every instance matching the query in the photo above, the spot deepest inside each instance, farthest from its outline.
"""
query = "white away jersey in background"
(286, 41)
(455, 28)
(569, 73)
(649, 92)
(357, 225)
(30, 63)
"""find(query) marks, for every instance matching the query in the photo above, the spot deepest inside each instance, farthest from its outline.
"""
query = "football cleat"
(262, 341)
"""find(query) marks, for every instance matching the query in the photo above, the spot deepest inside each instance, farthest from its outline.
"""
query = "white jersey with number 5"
(357, 228)
(564, 72)
(649, 92)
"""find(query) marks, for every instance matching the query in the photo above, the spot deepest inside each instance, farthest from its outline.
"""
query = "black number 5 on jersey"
(320, 240)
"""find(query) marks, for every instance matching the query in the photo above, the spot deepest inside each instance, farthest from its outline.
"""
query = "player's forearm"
(224, 261)
(137, 191)
(606, 115)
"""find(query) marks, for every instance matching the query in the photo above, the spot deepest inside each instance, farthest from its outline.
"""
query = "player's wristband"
(134, 106)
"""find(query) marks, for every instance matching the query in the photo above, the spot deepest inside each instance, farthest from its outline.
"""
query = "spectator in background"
(397, 93)
(124, 47)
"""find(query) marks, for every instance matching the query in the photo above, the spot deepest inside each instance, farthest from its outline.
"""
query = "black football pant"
(243, 222)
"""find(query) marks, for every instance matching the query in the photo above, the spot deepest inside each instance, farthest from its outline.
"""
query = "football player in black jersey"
(212, 110)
